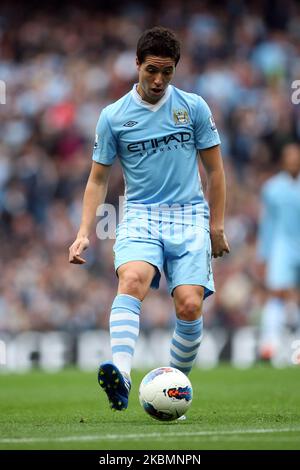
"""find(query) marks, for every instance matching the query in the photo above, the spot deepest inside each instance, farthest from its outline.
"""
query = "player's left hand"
(219, 242)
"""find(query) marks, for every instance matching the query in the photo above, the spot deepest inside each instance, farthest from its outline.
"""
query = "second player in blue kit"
(279, 251)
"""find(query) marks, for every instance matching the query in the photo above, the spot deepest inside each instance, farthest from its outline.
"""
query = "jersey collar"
(152, 107)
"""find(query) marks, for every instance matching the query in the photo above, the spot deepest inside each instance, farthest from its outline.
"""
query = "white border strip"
(154, 435)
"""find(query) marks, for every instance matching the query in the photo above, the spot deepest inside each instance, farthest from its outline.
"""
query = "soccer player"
(157, 131)
(279, 249)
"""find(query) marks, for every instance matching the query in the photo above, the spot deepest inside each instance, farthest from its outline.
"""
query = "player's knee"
(132, 283)
(189, 309)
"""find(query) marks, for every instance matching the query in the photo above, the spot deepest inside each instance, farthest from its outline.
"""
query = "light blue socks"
(124, 330)
(185, 344)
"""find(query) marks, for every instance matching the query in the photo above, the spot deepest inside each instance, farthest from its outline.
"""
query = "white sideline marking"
(154, 435)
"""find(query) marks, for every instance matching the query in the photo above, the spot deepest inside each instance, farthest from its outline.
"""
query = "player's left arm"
(213, 164)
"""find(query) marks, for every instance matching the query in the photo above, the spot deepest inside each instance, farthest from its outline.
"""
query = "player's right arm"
(104, 154)
(94, 195)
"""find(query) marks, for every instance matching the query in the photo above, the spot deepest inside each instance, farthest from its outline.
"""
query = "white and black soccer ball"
(165, 393)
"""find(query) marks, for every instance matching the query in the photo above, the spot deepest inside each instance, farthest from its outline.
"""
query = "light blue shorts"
(183, 252)
(283, 267)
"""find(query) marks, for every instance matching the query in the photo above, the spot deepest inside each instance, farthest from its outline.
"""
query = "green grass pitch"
(257, 408)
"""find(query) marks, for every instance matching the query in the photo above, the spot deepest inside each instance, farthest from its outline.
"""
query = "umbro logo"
(130, 124)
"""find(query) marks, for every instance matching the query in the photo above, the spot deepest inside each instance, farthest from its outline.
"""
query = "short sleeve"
(105, 147)
(206, 134)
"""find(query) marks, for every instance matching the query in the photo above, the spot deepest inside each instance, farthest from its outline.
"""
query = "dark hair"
(160, 42)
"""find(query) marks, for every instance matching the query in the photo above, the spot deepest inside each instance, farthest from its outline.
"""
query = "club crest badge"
(181, 116)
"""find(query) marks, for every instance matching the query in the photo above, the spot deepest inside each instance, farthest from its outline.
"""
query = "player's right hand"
(75, 250)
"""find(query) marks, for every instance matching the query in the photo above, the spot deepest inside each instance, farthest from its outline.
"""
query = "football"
(165, 393)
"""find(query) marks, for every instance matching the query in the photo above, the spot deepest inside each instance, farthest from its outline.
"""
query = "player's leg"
(190, 280)
(188, 300)
(281, 277)
(135, 278)
(280, 312)
(271, 325)
(138, 262)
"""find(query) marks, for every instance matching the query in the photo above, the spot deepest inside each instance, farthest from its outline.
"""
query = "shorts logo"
(130, 124)
(180, 116)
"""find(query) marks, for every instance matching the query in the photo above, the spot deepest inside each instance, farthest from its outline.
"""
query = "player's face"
(155, 74)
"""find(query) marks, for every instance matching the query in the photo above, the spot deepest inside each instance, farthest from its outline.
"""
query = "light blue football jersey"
(280, 218)
(157, 147)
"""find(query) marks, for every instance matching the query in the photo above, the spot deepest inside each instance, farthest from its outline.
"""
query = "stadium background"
(61, 66)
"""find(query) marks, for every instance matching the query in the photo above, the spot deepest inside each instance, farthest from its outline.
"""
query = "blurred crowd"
(61, 66)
